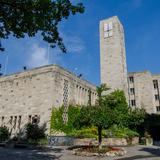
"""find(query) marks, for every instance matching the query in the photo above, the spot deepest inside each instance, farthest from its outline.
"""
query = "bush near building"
(4, 133)
(34, 132)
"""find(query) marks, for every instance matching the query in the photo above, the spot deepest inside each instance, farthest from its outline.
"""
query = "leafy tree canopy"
(110, 109)
(116, 101)
(4, 133)
(135, 118)
(28, 17)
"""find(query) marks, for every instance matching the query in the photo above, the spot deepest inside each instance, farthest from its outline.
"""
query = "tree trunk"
(99, 136)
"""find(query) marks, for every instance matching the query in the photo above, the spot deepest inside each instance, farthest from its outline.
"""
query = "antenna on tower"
(6, 65)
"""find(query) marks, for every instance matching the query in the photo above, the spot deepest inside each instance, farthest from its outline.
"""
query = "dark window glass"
(156, 97)
(131, 79)
(158, 108)
(132, 91)
(133, 102)
(155, 84)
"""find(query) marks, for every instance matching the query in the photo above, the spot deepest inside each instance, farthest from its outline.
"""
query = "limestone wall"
(156, 88)
(144, 93)
(31, 95)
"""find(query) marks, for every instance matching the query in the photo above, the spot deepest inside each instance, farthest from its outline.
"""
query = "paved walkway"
(60, 153)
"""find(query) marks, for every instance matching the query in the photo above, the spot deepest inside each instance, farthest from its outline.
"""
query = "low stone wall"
(108, 141)
(69, 141)
(60, 141)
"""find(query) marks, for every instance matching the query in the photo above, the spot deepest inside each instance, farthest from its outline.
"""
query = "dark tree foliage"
(99, 115)
(4, 133)
(28, 17)
(136, 117)
(116, 101)
(35, 132)
(110, 109)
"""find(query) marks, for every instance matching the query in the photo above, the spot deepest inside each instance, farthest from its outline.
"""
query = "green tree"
(4, 133)
(135, 118)
(116, 101)
(28, 17)
(125, 115)
(35, 132)
(110, 109)
(99, 115)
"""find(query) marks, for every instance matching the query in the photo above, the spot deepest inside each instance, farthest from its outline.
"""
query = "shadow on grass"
(28, 154)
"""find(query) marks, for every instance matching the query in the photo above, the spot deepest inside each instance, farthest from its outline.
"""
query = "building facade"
(144, 91)
(29, 96)
(141, 88)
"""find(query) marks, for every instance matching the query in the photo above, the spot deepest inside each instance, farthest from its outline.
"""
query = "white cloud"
(37, 56)
(73, 44)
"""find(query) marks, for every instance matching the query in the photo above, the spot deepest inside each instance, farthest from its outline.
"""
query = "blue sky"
(141, 21)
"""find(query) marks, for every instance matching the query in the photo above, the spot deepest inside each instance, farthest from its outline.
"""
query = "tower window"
(132, 91)
(156, 97)
(133, 102)
(155, 84)
(158, 108)
(108, 30)
(131, 79)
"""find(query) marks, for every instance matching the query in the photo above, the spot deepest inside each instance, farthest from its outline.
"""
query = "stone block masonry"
(29, 96)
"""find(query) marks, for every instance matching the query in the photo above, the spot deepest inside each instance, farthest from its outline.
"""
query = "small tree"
(116, 101)
(4, 133)
(125, 115)
(99, 115)
(109, 109)
(135, 118)
(35, 132)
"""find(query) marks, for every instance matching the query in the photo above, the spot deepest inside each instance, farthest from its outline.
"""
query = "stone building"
(144, 91)
(30, 95)
(141, 88)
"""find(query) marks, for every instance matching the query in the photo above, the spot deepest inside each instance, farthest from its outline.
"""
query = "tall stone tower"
(113, 55)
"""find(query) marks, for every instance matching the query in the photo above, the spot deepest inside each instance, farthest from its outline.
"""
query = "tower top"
(110, 20)
(114, 18)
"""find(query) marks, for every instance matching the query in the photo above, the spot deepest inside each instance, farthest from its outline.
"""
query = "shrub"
(120, 132)
(85, 133)
(34, 132)
(4, 133)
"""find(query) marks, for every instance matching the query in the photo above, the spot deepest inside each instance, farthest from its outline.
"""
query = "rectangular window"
(158, 108)
(131, 79)
(133, 102)
(132, 91)
(156, 97)
(155, 84)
